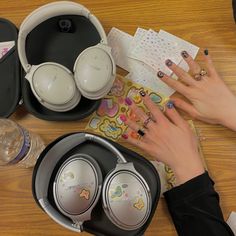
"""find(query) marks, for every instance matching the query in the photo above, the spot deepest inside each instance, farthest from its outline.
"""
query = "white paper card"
(146, 76)
(182, 45)
(139, 34)
(120, 43)
(232, 221)
(5, 47)
(154, 51)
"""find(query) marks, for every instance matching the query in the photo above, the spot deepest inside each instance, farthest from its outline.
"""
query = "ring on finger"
(199, 75)
(146, 122)
(141, 132)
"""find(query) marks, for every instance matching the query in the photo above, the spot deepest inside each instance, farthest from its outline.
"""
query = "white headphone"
(55, 86)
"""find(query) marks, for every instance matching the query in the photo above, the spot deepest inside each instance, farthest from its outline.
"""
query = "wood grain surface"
(208, 24)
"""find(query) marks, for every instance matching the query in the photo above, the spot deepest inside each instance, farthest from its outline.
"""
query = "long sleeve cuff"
(191, 188)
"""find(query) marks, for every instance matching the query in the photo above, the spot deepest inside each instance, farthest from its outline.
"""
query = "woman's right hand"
(210, 99)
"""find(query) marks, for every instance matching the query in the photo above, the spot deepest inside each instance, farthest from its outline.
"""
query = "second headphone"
(54, 85)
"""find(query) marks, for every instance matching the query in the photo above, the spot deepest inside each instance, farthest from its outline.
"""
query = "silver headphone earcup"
(54, 86)
(94, 71)
(125, 191)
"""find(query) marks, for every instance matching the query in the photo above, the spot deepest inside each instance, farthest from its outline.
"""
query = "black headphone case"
(47, 42)
(99, 224)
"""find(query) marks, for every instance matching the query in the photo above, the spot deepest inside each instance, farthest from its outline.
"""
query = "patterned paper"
(182, 45)
(146, 76)
(106, 120)
(154, 51)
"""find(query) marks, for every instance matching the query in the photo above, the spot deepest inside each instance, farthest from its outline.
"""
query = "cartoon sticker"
(139, 205)
(85, 194)
(110, 129)
(117, 193)
(108, 107)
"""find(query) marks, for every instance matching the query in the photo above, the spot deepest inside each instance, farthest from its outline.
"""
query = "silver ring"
(145, 123)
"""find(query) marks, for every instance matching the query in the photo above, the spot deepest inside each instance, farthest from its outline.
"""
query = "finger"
(140, 143)
(188, 108)
(182, 74)
(173, 115)
(177, 85)
(138, 111)
(209, 64)
(131, 124)
(193, 65)
(152, 107)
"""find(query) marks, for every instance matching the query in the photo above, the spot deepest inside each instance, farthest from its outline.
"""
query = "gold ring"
(199, 76)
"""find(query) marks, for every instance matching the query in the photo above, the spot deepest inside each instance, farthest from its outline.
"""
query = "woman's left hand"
(168, 139)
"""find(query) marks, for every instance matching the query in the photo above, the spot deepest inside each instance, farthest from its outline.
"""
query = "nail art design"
(160, 74)
(206, 52)
(124, 136)
(169, 62)
(123, 117)
(170, 105)
(142, 93)
(184, 54)
(128, 101)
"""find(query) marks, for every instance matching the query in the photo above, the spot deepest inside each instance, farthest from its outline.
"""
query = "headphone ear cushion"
(93, 71)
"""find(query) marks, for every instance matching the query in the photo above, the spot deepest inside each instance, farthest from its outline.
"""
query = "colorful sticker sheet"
(106, 120)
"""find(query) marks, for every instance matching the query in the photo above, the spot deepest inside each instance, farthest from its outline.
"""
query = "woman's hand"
(168, 139)
(210, 99)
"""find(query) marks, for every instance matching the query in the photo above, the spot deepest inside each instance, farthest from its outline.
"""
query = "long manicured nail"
(142, 93)
(128, 101)
(160, 74)
(169, 62)
(206, 52)
(170, 105)
(184, 54)
(123, 117)
(124, 136)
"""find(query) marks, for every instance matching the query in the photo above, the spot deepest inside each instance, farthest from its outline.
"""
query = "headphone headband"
(46, 12)
(50, 160)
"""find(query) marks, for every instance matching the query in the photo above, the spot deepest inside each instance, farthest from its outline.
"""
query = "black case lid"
(10, 71)
(45, 43)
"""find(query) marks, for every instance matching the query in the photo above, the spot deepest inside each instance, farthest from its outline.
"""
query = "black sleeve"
(195, 210)
(234, 8)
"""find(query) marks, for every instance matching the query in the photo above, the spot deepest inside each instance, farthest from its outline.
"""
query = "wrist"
(229, 120)
(187, 172)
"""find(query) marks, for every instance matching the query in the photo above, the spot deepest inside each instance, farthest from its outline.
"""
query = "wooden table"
(208, 24)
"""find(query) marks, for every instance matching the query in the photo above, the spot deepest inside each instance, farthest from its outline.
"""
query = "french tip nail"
(128, 101)
(206, 52)
(170, 105)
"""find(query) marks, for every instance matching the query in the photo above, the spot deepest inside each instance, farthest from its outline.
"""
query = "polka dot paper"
(154, 51)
